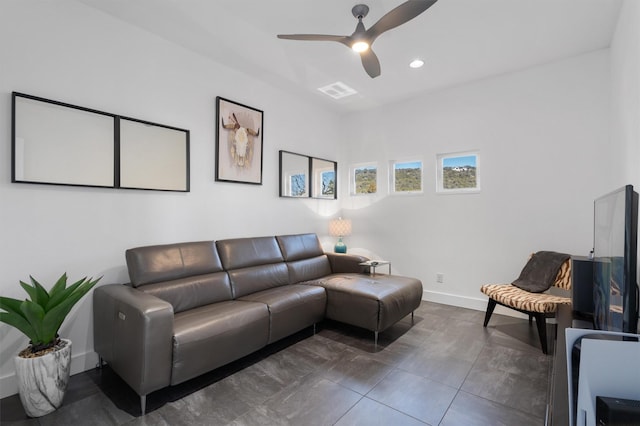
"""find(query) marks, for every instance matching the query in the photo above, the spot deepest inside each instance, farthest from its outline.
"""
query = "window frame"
(352, 178)
(440, 159)
(392, 176)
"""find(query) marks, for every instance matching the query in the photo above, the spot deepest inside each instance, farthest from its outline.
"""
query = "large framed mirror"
(323, 178)
(153, 156)
(57, 143)
(294, 175)
(63, 144)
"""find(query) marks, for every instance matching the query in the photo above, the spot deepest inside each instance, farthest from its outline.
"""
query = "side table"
(373, 264)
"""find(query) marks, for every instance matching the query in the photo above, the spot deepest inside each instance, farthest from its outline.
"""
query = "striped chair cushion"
(517, 298)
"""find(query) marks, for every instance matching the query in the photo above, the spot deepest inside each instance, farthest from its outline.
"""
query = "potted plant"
(42, 369)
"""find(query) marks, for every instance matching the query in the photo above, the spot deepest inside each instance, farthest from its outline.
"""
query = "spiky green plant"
(41, 316)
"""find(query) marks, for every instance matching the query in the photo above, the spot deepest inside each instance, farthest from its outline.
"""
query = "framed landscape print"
(239, 136)
(458, 172)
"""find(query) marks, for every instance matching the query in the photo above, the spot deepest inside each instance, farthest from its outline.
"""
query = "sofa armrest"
(133, 333)
(346, 263)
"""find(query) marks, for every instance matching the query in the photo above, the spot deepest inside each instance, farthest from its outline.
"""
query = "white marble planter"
(42, 381)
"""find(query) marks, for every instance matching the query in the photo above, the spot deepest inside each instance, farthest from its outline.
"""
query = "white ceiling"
(459, 40)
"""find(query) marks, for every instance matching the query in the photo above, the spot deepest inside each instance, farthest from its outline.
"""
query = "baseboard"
(477, 303)
(79, 363)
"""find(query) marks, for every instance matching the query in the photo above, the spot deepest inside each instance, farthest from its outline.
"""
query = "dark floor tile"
(410, 377)
(251, 385)
(371, 413)
(415, 396)
(443, 360)
(313, 401)
(470, 410)
(261, 415)
(400, 350)
(355, 371)
(95, 410)
(171, 414)
(320, 348)
(288, 365)
(532, 365)
(221, 402)
(519, 334)
(12, 413)
(353, 337)
(513, 378)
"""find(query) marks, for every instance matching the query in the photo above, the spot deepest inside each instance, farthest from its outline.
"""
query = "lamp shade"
(340, 227)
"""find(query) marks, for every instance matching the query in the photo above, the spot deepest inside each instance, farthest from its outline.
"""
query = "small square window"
(458, 172)
(406, 177)
(364, 179)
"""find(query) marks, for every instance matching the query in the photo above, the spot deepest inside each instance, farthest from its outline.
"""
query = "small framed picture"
(239, 136)
(459, 172)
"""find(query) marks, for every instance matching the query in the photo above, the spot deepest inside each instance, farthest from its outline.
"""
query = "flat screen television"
(615, 249)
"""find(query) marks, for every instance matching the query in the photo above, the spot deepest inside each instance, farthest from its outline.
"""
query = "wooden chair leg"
(542, 331)
(490, 307)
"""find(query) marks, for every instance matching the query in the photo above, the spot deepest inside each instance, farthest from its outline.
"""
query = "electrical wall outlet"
(440, 278)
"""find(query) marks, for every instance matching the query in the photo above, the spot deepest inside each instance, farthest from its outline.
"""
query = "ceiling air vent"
(337, 90)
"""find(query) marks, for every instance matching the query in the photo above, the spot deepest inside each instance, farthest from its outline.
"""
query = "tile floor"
(445, 369)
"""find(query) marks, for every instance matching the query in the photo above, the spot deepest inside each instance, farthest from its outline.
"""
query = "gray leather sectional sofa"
(193, 307)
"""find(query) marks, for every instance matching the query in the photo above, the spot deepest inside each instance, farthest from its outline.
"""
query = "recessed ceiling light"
(337, 90)
(416, 63)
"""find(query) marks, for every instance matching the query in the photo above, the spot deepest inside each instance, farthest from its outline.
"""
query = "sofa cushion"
(244, 252)
(211, 336)
(258, 278)
(152, 264)
(253, 264)
(292, 308)
(300, 246)
(308, 269)
(192, 292)
(304, 256)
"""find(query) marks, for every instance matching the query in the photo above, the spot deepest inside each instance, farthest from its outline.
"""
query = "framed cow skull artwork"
(239, 137)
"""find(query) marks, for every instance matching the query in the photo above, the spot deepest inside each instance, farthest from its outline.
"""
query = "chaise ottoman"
(373, 302)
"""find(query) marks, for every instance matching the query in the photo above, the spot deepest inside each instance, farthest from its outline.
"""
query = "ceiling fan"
(362, 39)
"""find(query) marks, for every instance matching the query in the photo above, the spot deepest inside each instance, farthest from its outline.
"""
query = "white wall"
(542, 136)
(65, 51)
(625, 104)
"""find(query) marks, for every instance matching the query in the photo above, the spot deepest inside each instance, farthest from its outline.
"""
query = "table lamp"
(340, 228)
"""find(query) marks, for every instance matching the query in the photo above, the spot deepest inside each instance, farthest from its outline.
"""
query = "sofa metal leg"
(314, 328)
(375, 339)
(412, 312)
(490, 307)
(143, 404)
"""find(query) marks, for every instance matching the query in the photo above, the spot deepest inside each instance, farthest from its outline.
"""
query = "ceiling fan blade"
(370, 63)
(316, 37)
(398, 16)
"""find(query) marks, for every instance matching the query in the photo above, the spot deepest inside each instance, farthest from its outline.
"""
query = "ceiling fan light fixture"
(360, 46)
(416, 63)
